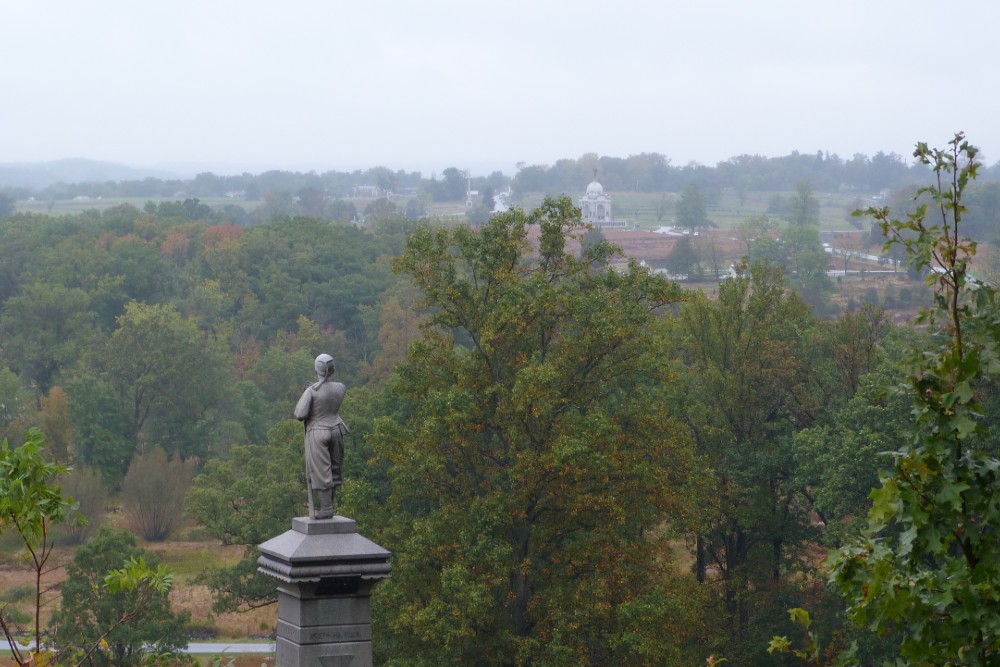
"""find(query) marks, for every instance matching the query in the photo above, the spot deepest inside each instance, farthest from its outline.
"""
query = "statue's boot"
(325, 504)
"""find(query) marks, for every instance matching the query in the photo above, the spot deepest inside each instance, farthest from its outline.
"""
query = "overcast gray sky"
(250, 85)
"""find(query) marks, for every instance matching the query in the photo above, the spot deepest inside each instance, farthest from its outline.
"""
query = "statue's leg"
(337, 457)
(318, 450)
(325, 503)
(320, 466)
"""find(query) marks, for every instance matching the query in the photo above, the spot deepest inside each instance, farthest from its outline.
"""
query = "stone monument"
(324, 567)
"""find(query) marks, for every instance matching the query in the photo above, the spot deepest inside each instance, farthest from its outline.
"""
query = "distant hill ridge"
(72, 170)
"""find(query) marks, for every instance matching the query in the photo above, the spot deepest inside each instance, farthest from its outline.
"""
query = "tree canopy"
(533, 462)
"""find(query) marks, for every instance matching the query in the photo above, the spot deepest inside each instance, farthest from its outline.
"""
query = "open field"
(76, 206)
(724, 209)
(185, 559)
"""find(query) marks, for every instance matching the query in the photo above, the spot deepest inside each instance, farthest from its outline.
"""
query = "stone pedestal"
(325, 572)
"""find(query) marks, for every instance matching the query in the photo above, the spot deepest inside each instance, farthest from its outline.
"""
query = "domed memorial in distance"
(595, 208)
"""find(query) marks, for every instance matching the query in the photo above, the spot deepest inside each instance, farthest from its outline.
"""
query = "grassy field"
(726, 210)
(75, 206)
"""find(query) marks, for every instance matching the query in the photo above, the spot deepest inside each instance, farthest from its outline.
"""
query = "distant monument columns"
(595, 208)
(325, 571)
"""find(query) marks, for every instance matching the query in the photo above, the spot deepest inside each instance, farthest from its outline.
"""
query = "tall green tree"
(928, 564)
(169, 379)
(684, 259)
(807, 263)
(692, 208)
(101, 431)
(747, 386)
(245, 499)
(533, 465)
(803, 207)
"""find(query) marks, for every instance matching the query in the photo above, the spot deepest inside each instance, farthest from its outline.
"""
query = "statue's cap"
(324, 364)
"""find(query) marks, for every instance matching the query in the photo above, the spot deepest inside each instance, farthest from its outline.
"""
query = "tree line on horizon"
(645, 172)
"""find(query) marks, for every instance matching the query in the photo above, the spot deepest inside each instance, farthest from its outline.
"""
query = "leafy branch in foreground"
(929, 562)
(31, 503)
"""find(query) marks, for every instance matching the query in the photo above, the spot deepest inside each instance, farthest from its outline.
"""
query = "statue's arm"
(302, 407)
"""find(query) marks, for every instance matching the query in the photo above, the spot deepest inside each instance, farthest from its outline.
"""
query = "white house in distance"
(595, 208)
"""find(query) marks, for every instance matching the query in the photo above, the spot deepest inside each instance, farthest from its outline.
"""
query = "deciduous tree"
(120, 625)
(166, 375)
(532, 463)
(928, 563)
(246, 499)
(803, 207)
(692, 208)
(746, 388)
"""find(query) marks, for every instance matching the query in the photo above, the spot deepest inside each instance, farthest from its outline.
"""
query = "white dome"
(595, 188)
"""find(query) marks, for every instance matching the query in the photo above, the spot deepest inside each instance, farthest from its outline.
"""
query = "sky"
(248, 85)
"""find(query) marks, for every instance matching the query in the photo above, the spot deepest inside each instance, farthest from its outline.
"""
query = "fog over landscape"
(250, 86)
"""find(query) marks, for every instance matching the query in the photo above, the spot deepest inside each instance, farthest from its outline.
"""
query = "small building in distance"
(595, 208)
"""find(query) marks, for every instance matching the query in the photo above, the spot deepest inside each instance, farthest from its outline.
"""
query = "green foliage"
(929, 562)
(16, 406)
(531, 457)
(17, 593)
(692, 208)
(306, 267)
(247, 499)
(45, 327)
(749, 381)
(115, 601)
(87, 300)
(684, 259)
(168, 378)
(839, 461)
(800, 253)
(13, 617)
(810, 653)
(100, 428)
(803, 207)
(31, 503)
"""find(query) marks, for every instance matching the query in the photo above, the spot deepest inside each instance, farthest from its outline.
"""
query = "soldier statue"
(319, 409)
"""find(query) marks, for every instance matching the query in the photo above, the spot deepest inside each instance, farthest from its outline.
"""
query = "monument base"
(326, 571)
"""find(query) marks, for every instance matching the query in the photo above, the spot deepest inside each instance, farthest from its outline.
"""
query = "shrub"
(153, 493)
(15, 617)
(18, 593)
(86, 487)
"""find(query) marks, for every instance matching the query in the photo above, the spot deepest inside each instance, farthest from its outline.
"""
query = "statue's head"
(324, 366)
